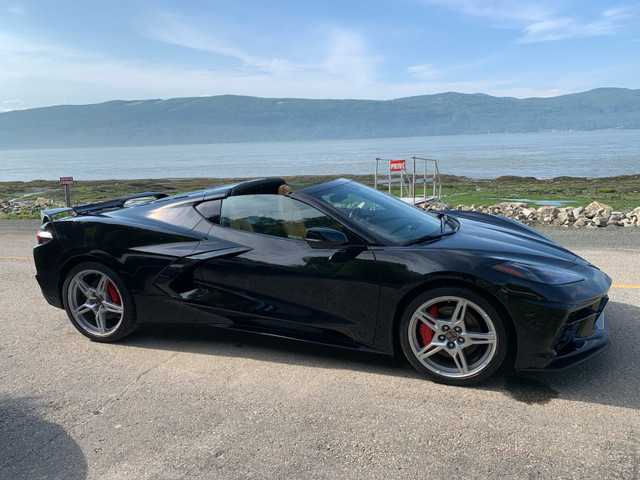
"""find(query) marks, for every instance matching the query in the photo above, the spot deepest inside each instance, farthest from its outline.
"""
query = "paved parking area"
(176, 402)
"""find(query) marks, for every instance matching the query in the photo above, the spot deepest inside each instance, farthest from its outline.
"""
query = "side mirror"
(319, 237)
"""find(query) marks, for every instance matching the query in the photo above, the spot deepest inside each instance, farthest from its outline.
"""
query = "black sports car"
(337, 263)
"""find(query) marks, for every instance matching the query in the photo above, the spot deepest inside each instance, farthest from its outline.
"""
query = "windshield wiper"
(443, 222)
(444, 219)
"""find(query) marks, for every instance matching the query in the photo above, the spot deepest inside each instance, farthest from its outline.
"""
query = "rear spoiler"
(48, 215)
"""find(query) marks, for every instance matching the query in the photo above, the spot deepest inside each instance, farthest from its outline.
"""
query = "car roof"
(250, 187)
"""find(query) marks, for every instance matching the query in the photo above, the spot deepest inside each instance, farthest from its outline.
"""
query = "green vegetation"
(569, 190)
(20, 216)
(624, 196)
(228, 118)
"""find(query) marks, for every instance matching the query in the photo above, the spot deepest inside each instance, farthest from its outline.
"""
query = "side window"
(274, 215)
(210, 210)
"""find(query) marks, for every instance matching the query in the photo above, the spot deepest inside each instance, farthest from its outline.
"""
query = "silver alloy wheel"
(453, 337)
(95, 302)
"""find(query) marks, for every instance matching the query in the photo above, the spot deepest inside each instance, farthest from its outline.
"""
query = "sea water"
(542, 155)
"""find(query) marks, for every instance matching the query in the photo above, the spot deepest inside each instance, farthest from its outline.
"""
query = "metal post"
(375, 177)
(67, 195)
(413, 187)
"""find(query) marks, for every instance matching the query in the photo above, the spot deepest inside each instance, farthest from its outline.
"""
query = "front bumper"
(563, 335)
(571, 349)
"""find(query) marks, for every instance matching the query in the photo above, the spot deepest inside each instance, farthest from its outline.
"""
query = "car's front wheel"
(453, 336)
(98, 302)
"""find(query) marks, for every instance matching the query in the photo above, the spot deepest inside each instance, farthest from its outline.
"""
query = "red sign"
(66, 180)
(396, 165)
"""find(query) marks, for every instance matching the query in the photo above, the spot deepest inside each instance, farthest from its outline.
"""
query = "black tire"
(98, 302)
(453, 336)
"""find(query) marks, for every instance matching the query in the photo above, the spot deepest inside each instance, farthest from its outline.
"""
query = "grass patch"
(20, 216)
(576, 191)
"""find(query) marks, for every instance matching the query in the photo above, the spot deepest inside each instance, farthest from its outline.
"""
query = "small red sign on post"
(66, 181)
(396, 165)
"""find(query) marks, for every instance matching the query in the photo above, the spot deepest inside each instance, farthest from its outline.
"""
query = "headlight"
(540, 274)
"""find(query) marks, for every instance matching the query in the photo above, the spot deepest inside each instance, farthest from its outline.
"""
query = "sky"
(58, 52)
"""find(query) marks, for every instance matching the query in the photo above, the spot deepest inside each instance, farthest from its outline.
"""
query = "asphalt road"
(177, 402)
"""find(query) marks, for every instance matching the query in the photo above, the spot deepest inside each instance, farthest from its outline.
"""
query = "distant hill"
(229, 118)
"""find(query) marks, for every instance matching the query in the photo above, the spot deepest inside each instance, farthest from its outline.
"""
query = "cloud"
(10, 105)
(17, 9)
(424, 72)
(340, 54)
(610, 22)
(339, 63)
(45, 73)
(348, 57)
(520, 11)
(540, 21)
(175, 30)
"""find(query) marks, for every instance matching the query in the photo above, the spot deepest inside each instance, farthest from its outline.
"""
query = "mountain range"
(231, 118)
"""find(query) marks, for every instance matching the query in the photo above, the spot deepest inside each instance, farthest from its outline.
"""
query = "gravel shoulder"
(181, 402)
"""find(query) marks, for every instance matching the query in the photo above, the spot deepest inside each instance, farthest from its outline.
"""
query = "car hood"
(504, 238)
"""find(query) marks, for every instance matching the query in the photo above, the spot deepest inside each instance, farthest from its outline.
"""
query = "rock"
(600, 209)
(436, 206)
(42, 202)
(577, 211)
(600, 221)
(508, 208)
(634, 214)
(547, 214)
(564, 218)
(528, 212)
(546, 210)
(581, 222)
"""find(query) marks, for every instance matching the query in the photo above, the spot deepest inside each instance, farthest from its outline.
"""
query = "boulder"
(578, 211)
(528, 212)
(600, 221)
(599, 209)
(547, 214)
(564, 218)
(581, 222)
(42, 202)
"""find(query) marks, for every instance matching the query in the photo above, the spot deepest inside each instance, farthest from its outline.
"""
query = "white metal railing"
(421, 171)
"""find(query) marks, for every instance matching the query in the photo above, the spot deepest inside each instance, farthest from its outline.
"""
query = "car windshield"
(386, 216)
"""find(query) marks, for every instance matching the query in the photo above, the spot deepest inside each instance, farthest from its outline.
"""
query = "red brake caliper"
(113, 293)
(426, 334)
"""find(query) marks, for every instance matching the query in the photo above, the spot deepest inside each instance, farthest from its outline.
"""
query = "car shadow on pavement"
(609, 378)
(32, 447)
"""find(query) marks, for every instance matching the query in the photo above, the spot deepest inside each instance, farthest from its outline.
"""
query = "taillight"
(44, 236)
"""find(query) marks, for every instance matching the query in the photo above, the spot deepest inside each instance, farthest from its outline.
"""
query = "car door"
(281, 284)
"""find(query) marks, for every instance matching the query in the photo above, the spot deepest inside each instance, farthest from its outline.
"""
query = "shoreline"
(562, 197)
(355, 176)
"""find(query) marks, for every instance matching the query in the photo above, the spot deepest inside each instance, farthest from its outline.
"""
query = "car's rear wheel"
(453, 336)
(98, 302)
